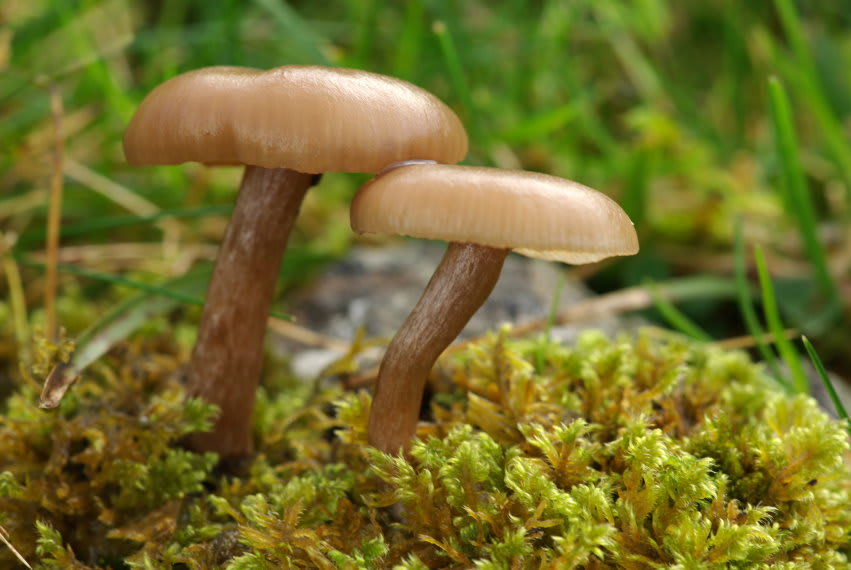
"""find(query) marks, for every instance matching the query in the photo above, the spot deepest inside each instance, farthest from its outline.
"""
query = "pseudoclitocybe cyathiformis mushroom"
(285, 125)
(483, 213)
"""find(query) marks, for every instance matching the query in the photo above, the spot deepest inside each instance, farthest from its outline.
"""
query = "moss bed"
(639, 452)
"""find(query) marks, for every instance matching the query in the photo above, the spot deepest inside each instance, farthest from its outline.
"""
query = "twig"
(610, 304)
(749, 341)
(306, 336)
(617, 302)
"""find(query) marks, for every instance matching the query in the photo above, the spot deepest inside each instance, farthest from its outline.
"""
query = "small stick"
(306, 336)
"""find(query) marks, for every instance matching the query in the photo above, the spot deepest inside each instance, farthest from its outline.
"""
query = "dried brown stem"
(227, 359)
(54, 216)
(460, 284)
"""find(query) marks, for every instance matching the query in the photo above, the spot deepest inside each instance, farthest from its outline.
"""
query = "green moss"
(102, 472)
(634, 453)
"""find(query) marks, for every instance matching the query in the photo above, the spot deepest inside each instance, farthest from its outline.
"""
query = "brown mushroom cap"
(307, 118)
(534, 214)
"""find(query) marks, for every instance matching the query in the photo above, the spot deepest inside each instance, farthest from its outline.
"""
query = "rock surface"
(376, 287)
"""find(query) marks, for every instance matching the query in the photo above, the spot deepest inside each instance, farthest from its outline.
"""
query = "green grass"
(796, 197)
(828, 383)
(690, 114)
(775, 324)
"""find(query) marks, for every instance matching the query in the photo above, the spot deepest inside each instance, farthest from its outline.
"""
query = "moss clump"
(102, 471)
(635, 453)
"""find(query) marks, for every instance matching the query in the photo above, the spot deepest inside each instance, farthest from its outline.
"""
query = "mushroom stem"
(227, 359)
(460, 284)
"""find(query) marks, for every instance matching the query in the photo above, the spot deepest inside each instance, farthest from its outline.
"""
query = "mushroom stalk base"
(228, 356)
(460, 284)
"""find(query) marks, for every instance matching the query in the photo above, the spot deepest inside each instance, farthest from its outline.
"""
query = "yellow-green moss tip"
(632, 453)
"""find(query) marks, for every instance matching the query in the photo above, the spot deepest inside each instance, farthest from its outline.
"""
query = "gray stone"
(376, 287)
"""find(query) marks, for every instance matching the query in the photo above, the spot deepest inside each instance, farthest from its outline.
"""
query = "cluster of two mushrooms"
(289, 124)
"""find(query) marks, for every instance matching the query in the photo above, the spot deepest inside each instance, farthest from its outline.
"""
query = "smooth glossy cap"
(307, 118)
(534, 214)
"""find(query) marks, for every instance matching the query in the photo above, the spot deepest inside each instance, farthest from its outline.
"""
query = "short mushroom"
(483, 213)
(285, 125)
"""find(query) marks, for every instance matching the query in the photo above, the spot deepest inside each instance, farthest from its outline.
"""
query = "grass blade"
(457, 76)
(408, 53)
(54, 214)
(746, 308)
(772, 318)
(806, 77)
(17, 303)
(162, 290)
(37, 235)
(296, 30)
(798, 201)
(637, 186)
(362, 14)
(828, 384)
(115, 326)
(674, 316)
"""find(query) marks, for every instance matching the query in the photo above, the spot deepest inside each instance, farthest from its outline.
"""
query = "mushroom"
(285, 125)
(483, 213)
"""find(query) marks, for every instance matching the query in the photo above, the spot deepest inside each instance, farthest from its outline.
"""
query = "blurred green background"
(698, 117)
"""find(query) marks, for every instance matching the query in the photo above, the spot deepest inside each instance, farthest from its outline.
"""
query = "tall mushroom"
(483, 213)
(285, 125)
